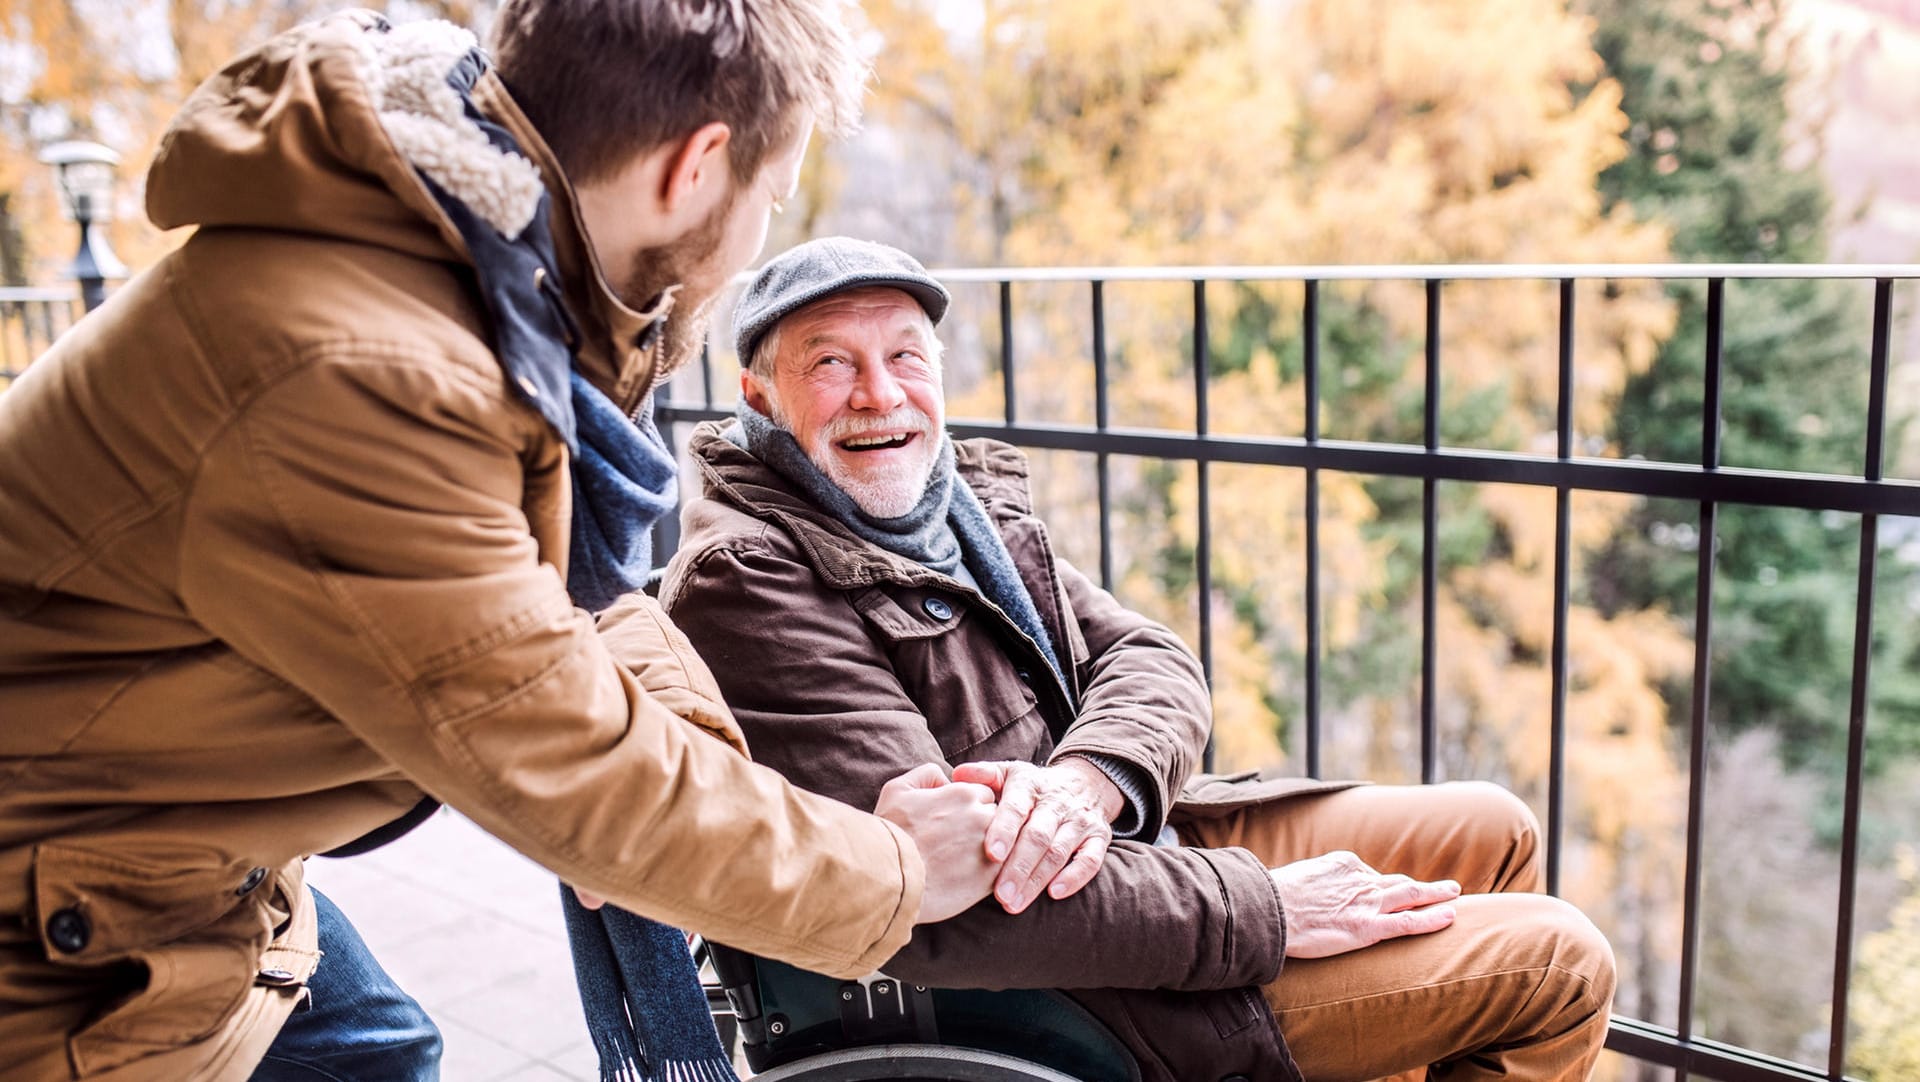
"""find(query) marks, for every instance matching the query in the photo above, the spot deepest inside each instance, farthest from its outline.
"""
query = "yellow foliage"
(1331, 131)
(101, 72)
(1885, 1043)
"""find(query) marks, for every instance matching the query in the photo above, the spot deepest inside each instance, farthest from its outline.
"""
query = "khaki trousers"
(1518, 988)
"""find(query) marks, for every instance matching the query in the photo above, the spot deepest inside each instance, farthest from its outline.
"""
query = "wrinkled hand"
(1052, 829)
(1336, 903)
(947, 821)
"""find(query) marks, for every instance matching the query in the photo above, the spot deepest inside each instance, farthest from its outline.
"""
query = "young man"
(298, 528)
(873, 595)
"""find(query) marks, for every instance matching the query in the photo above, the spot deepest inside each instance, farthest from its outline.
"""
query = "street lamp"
(85, 172)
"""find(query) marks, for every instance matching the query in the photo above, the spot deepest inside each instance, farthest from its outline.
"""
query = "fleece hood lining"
(405, 70)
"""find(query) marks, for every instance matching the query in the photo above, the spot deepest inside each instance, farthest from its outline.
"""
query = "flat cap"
(820, 268)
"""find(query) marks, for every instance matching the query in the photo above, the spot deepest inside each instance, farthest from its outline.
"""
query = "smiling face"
(855, 378)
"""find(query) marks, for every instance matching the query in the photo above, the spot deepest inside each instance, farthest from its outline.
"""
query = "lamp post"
(85, 173)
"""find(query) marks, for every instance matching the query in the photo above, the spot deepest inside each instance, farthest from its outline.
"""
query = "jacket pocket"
(171, 938)
(957, 673)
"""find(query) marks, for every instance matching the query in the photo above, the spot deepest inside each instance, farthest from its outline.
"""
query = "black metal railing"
(30, 319)
(1707, 483)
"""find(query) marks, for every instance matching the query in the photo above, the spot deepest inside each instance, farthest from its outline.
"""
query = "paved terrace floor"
(473, 930)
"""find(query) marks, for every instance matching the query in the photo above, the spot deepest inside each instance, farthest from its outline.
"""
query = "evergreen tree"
(1712, 155)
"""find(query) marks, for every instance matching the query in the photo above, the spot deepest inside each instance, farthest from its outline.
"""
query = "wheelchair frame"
(794, 1026)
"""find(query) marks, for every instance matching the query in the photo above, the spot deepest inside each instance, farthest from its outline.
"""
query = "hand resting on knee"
(1336, 903)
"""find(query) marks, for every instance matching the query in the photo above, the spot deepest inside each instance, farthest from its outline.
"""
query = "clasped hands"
(1013, 827)
(1048, 828)
(1010, 828)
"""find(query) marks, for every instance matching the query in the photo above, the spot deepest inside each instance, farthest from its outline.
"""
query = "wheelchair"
(796, 1026)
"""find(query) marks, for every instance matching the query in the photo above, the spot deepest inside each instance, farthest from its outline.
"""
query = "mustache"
(904, 418)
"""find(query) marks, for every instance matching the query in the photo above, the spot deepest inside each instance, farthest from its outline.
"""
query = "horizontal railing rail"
(1442, 272)
(1707, 483)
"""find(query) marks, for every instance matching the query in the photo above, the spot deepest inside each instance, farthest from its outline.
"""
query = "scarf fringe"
(618, 1059)
(616, 1066)
(699, 1070)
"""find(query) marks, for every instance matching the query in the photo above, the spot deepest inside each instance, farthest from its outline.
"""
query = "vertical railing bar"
(1563, 412)
(47, 331)
(1430, 545)
(1201, 361)
(1310, 363)
(6, 340)
(1100, 420)
(1860, 701)
(706, 374)
(666, 531)
(1857, 708)
(1710, 421)
(1562, 576)
(1203, 557)
(1702, 668)
(1006, 351)
(1878, 360)
(1697, 767)
(1204, 551)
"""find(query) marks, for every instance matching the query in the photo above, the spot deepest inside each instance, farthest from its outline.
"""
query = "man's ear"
(694, 165)
(754, 392)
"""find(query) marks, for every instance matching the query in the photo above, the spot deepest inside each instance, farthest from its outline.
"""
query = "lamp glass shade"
(85, 173)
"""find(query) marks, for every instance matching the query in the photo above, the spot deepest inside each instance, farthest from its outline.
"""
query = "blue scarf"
(947, 525)
(638, 986)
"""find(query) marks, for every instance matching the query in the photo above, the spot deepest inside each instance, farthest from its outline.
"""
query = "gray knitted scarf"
(947, 526)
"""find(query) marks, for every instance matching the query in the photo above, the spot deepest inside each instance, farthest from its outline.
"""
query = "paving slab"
(473, 931)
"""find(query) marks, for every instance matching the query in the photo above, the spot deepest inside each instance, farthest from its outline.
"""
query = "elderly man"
(872, 595)
(312, 518)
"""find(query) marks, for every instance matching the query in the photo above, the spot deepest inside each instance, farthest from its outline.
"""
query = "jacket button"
(937, 608)
(1025, 677)
(68, 930)
(275, 978)
(251, 881)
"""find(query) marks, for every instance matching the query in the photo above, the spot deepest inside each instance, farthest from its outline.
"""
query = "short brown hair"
(605, 80)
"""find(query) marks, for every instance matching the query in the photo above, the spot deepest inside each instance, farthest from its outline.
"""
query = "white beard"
(884, 490)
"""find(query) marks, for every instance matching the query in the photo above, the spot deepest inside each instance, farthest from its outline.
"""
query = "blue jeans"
(358, 1026)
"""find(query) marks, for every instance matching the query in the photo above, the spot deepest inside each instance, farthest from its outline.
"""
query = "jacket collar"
(997, 473)
(619, 350)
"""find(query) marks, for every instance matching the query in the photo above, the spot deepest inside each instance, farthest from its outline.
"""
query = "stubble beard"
(672, 266)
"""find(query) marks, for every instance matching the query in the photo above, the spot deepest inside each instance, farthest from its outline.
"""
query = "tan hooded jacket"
(279, 552)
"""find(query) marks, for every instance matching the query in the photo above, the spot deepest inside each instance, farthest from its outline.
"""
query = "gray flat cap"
(820, 268)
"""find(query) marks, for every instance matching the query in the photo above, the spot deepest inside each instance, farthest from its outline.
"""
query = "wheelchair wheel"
(912, 1063)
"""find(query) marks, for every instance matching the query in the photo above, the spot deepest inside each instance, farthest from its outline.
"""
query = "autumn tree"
(115, 73)
(1885, 1043)
(1099, 131)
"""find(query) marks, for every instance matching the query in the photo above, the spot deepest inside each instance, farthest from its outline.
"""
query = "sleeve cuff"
(1137, 818)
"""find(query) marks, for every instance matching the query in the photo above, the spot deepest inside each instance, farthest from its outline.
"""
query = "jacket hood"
(325, 130)
(314, 131)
